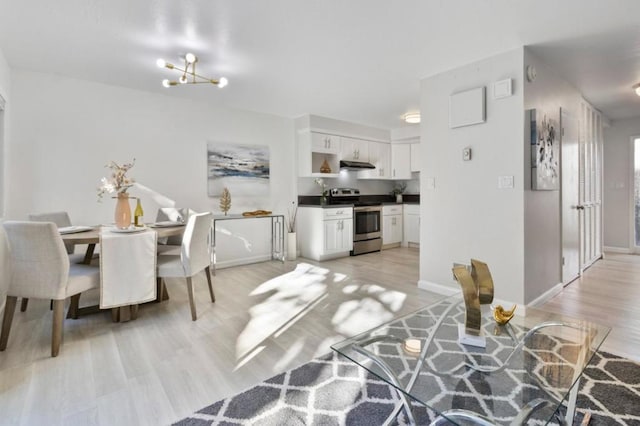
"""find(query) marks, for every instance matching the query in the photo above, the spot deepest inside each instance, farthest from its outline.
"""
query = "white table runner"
(127, 268)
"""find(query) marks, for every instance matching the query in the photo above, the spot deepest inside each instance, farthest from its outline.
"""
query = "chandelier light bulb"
(188, 73)
(637, 89)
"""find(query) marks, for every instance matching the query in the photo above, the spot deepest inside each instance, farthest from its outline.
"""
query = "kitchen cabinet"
(325, 233)
(400, 161)
(324, 143)
(392, 232)
(415, 157)
(314, 149)
(411, 219)
(379, 156)
(354, 149)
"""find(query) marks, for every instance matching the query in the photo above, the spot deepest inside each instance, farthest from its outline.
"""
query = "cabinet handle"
(394, 172)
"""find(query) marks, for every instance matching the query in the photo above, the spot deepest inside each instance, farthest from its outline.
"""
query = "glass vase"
(123, 211)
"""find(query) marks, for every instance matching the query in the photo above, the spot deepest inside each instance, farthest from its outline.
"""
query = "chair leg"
(207, 271)
(191, 302)
(23, 304)
(58, 319)
(9, 309)
(74, 306)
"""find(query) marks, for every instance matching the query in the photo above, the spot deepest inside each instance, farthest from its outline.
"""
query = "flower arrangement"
(399, 188)
(325, 192)
(118, 181)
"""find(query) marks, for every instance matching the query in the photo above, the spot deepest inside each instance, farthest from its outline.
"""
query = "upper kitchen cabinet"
(379, 156)
(415, 157)
(314, 149)
(401, 161)
(323, 143)
(354, 149)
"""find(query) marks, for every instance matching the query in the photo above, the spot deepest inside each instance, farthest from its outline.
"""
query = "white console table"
(277, 234)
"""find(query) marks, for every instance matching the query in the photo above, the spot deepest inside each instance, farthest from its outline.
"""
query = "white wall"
(64, 131)
(542, 209)
(5, 84)
(466, 215)
(618, 182)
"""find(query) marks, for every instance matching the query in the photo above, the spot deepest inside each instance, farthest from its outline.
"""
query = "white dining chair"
(5, 268)
(195, 256)
(41, 270)
(171, 245)
(61, 219)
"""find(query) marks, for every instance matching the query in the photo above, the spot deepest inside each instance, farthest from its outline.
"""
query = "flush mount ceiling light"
(637, 89)
(412, 118)
(189, 75)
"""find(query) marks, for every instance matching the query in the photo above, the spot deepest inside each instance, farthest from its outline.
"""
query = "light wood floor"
(268, 317)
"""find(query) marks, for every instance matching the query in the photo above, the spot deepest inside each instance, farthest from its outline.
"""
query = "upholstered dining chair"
(41, 270)
(5, 268)
(171, 245)
(61, 219)
(195, 256)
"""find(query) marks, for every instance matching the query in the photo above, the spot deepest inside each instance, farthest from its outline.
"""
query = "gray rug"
(332, 391)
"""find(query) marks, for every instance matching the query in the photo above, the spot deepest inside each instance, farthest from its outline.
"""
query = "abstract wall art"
(545, 150)
(244, 169)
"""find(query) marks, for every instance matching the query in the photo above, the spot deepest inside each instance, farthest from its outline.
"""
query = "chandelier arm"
(192, 73)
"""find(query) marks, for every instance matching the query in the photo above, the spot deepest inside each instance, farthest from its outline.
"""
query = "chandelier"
(189, 75)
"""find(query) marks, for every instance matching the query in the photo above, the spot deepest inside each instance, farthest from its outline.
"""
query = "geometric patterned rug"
(331, 390)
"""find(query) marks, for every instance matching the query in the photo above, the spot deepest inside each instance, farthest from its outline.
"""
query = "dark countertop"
(326, 206)
(314, 200)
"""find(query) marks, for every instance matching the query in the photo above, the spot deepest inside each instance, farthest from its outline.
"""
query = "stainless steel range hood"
(355, 165)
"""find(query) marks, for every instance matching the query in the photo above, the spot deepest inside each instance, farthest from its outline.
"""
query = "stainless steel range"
(367, 220)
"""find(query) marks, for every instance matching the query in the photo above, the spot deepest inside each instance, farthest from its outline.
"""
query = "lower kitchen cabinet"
(391, 226)
(325, 233)
(411, 216)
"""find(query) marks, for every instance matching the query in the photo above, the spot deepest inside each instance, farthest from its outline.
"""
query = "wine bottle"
(138, 215)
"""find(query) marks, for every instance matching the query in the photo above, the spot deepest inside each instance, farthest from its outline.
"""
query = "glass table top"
(527, 368)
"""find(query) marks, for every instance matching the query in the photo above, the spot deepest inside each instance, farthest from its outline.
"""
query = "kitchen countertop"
(326, 206)
(314, 200)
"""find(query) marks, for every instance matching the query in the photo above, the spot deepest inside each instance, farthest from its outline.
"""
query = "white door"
(635, 200)
(570, 199)
(590, 186)
(332, 236)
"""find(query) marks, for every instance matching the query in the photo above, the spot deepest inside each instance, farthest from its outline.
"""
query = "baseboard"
(546, 295)
(242, 261)
(622, 250)
(438, 288)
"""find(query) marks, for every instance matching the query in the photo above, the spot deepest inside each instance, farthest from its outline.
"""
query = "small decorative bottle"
(138, 215)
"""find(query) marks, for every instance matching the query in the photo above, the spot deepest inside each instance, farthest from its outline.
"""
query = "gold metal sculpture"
(477, 289)
(472, 318)
(501, 315)
(482, 279)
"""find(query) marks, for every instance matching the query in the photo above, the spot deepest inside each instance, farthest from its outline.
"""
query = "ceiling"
(356, 60)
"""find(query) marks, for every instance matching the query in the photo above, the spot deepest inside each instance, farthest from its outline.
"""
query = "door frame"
(631, 195)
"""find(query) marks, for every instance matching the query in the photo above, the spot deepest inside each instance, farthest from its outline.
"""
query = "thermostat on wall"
(502, 88)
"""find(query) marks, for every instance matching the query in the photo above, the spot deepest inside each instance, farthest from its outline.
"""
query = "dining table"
(91, 236)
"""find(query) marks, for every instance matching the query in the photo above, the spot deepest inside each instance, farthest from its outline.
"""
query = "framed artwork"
(243, 169)
(545, 150)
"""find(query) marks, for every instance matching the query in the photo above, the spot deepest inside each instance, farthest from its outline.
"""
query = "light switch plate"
(466, 154)
(505, 182)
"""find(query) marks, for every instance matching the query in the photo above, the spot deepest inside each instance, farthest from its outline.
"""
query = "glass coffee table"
(528, 370)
